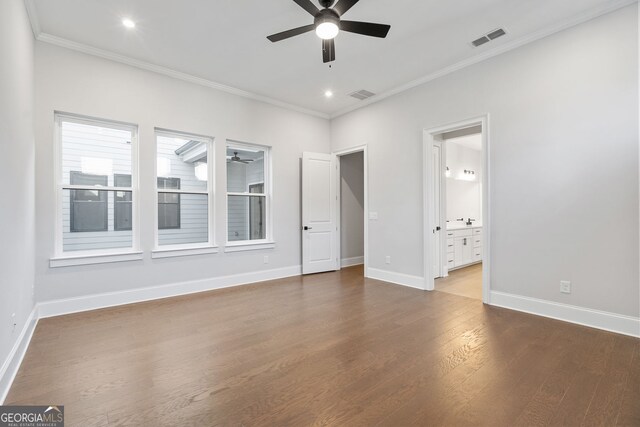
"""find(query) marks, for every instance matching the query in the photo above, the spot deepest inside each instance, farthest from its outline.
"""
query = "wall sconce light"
(469, 175)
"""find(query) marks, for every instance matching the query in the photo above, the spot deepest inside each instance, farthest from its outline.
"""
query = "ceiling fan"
(327, 24)
(237, 159)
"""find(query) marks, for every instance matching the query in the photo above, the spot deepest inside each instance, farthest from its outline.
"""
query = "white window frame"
(71, 258)
(268, 242)
(166, 251)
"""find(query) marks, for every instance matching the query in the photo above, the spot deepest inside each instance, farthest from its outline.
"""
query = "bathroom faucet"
(470, 221)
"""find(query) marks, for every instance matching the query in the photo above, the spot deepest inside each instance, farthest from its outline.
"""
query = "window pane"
(123, 208)
(182, 164)
(94, 151)
(246, 218)
(90, 224)
(244, 168)
(183, 218)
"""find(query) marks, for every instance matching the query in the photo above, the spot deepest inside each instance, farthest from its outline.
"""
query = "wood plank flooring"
(466, 282)
(328, 349)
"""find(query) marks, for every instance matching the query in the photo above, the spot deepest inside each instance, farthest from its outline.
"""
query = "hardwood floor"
(328, 349)
(465, 282)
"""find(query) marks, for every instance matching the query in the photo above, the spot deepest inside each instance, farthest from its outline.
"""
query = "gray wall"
(352, 205)
(16, 172)
(564, 163)
(78, 83)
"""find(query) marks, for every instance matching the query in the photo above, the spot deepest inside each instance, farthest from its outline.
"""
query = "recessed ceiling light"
(128, 23)
(328, 94)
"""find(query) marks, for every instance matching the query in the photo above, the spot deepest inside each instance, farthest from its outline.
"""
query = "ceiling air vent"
(362, 94)
(492, 35)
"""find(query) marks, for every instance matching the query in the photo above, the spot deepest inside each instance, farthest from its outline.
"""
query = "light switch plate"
(373, 216)
(565, 286)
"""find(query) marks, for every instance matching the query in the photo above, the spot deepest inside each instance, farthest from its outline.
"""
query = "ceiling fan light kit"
(327, 23)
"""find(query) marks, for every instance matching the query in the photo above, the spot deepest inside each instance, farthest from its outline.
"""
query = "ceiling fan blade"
(328, 50)
(365, 28)
(291, 33)
(308, 6)
(343, 5)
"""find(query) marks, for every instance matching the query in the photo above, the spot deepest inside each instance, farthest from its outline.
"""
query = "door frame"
(336, 157)
(443, 200)
(428, 140)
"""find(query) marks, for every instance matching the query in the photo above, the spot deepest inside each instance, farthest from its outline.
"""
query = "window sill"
(176, 252)
(69, 261)
(248, 246)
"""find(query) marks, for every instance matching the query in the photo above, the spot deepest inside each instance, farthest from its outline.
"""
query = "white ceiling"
(224, 41)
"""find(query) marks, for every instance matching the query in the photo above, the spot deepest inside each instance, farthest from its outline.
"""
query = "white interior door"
(435, 209)
(319, 244)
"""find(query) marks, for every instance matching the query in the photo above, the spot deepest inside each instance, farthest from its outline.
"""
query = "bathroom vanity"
(464, 245)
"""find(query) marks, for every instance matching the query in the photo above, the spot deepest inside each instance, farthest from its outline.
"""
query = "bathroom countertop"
(460, 225)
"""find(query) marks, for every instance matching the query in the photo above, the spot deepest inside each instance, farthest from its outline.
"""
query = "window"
(123, 214)
(95, 185)
(248, 194)
(88, 207)
(185, 190)
(168, 204)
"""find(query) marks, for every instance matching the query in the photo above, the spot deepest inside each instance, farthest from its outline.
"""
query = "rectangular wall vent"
(492, 35)
(361, 94)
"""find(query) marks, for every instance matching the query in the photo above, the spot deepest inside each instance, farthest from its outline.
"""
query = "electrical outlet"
(13, 322)
(266, 259)
(565, 286)
(373, 216)
(387, 260)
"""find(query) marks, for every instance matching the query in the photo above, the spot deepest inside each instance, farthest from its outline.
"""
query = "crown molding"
(80, 47)
(105, 54)
(33, 17)
(587, 16)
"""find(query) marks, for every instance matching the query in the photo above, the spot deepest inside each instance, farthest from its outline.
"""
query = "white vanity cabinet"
(464, 247)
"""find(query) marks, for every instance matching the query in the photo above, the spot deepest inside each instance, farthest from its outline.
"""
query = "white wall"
(464, 198)
(16, 173)
(564, 163)
(78, 83)
(352, 205)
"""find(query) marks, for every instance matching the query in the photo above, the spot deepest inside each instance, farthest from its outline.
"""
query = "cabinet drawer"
(450, 265)
(477, 241)
(477, 231)
(449, 234)
(461, 233)
(449, 245)
(477, 254)
(450, 257)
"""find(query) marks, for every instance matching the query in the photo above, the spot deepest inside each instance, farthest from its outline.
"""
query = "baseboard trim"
(397, 278)
(112, 299)
(348, 262)
(626, 325)
(11, 365)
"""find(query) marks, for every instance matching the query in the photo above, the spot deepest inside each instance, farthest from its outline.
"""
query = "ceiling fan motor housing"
(327, 15)
(326, 3)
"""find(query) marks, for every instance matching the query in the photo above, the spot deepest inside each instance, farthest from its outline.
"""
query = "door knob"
(306, 228)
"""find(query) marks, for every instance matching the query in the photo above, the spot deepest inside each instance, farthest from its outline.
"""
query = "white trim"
(69, 261)
(607, 321)
(90, 50)
(397, 278)
(246, 245)
(338, 237)
(111, 299)
(530, 38)
(428, 140)
(172, 251)
(348, 262)
(32, 13)
(13, 361)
